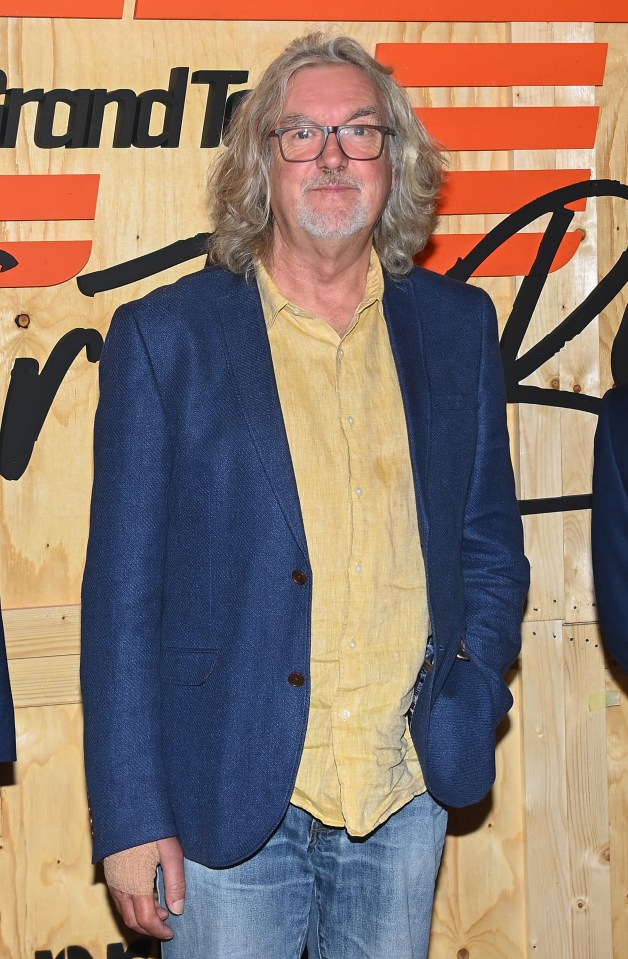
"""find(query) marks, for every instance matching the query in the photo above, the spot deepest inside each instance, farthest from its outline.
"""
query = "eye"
(359, 132)
(299, 134)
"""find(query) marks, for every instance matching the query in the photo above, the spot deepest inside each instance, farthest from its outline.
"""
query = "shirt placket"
(353, 641)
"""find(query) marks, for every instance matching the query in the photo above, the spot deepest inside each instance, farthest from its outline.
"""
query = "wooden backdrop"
(541, 868)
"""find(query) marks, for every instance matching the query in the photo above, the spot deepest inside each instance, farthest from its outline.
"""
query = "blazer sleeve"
(610, 523)
(7, 722)
(121, 598)
(455, 726)
(496, 571)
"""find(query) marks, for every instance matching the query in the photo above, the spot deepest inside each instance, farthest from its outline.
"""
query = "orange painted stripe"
(494, 64)
(45, 262)
(62, 196)
(503, 191)
(84, 9)
(514, 258)
(511, 128)
(443, 11)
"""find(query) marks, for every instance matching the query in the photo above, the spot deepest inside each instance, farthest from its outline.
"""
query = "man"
(610, 522)
(7, 722)
(302, 467)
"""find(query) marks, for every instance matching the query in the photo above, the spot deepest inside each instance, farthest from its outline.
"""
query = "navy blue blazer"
(7, 722)
(192, 620)
(610, 522)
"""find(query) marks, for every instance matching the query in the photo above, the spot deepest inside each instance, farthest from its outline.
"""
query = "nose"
(332, 157)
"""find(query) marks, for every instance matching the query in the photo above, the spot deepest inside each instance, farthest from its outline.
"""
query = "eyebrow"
(298, 119)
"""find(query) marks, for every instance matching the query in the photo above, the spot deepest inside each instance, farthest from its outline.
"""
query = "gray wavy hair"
(239, 186)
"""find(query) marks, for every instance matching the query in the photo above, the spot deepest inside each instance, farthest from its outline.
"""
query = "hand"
(143, 913)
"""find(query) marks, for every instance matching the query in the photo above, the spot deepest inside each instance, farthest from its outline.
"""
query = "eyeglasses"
(358, 141)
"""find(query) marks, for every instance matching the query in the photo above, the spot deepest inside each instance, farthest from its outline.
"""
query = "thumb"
(171, 860)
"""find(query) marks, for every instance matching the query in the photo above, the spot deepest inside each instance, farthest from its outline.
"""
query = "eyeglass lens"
(356, 142)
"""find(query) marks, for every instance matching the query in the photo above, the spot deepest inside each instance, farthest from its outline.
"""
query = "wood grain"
(587, 792)
(479, 908)
(43, 631)
(546, 823)
(617, 745)
(51, 895)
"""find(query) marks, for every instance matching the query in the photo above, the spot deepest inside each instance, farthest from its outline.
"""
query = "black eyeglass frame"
(279, 132)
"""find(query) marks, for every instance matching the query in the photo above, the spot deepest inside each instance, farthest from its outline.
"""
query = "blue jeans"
(314, 885)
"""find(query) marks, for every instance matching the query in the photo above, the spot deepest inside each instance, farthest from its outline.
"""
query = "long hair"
(239, 184)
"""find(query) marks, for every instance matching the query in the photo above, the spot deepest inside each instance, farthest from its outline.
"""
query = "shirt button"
(358, 567)
(341, 353)
(296, 679)
(350, 420)
(358, 491)
(353, 644)
(344, 713)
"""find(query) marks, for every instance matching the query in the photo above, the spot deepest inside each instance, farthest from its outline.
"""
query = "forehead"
(339, 89)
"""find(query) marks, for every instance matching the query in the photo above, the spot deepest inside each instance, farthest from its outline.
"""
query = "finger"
(171, 860)
(142, 914)
(124, 905)
(148, 918)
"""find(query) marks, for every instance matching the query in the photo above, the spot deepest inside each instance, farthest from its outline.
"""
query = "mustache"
(331, 178)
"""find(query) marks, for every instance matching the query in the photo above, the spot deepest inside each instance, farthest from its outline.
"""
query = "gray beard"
(329, 226)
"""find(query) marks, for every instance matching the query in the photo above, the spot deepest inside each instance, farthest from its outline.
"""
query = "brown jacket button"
(299, 577)
(296, 679)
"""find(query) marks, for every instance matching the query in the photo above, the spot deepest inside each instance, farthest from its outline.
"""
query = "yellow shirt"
(346, 429)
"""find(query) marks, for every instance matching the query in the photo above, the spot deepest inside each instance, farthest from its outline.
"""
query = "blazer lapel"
(248, 350)
(404, 318)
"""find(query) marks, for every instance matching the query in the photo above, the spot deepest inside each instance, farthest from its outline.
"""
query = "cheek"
(285, 183)
(285, 196)
(381, 183)
(277, 188)
(380, 192)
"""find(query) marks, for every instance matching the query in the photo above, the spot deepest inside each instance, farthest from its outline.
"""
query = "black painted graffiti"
(31, 394)
(517, 368)
(139, 949)
(141, 267)
(7, 262)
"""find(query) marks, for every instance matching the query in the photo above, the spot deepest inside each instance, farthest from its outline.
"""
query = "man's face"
(331, 197)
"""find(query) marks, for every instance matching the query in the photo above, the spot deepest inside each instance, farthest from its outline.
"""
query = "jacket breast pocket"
(187, 667)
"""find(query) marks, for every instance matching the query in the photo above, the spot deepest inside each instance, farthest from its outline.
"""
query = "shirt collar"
(274, 301)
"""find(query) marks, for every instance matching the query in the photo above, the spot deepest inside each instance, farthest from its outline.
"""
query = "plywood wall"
(541, 868)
